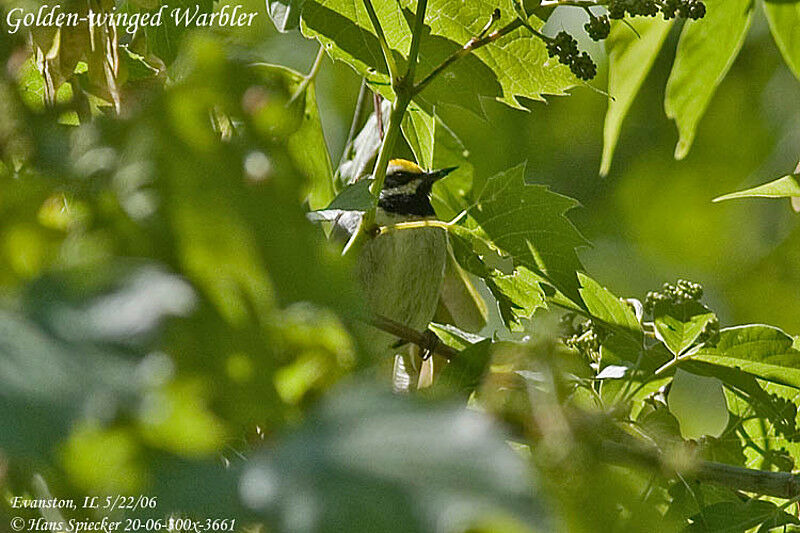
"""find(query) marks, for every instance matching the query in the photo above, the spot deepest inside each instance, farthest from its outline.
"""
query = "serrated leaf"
(706, 51)
(516, 65)
(678, 326)
(630, 57)
(739, 516)
(763, 351)
(527, 222)
(785, 187)
(518, 294)
(285, 14)
(398, 459)
(784, 23)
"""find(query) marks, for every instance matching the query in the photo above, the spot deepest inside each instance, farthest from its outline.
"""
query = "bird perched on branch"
(409, 275)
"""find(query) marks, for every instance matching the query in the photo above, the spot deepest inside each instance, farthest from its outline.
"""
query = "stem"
(416, 40)
(389, 140)
(472, 44)
(379, 173)
(351, 135)
(309, 77)
(413, 336)
(387, 52)
(783, 485)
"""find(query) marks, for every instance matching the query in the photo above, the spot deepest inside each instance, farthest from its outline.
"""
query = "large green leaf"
(678, 326)
(517, 65)
(411, 467)
(706, 51)
(630, 57)
(764, 351)
(785, 187)
(527, 222)
(784, 22)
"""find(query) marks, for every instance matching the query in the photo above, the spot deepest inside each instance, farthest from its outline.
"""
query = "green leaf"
(706, 51)
(784, 23)
(518, 293)
(698, 402)
(614, 312)
(785, 187)
(463, 374)
(764, 351)
(678, 326)
(517, 65)
(527, 222)
(739, 516)
(419, 130)
(355, 197)
(412, 466)
(630, 57)
(285, 14)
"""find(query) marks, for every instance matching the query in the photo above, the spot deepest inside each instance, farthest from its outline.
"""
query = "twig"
(387, 52)
(357, 112)
(783, 485)
(376, 103)
(416, 40)
(473, 44)
(309, 77)
(413, 336)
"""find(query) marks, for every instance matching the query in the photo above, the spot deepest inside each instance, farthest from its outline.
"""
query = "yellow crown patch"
(404, 166)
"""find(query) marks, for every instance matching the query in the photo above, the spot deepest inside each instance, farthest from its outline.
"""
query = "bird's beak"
(436, 175)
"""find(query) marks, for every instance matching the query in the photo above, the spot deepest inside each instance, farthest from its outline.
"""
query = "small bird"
(405, 273)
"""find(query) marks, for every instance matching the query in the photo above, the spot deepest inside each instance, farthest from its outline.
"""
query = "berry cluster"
(692, 9)
(710, 332)
(682, 291)
(566, 48)
(598, 28)
(583, 336)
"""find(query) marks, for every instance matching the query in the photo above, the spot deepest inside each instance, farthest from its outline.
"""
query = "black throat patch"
(411, 204)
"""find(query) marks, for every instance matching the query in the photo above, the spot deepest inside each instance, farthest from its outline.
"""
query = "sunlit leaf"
(706, 51)
(527, 222)
(630, 57)
(680, 325)
(785, 187)
(784, 23)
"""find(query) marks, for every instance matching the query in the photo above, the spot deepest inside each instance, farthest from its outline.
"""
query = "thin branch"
(309, 77)
(387, 52)
(413, 336)
(783, 485)
(357, 112)
(473, 44)
(416, 40)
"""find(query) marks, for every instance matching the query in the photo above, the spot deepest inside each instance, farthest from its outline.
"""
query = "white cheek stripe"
(408, 188)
